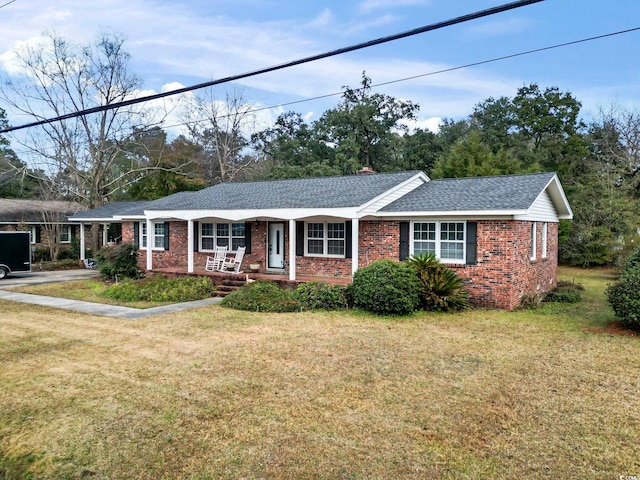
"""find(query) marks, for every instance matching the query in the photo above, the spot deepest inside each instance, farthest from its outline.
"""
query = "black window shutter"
(299, 238)
(247, 237)
(166, 235)
(74, 231)
(404, 240)
(196, 236)
(472, 243)
(348, 232)
(38, 234)
(136, 234)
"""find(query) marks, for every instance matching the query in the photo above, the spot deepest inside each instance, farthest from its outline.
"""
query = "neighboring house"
(46, 220)
(499, 233)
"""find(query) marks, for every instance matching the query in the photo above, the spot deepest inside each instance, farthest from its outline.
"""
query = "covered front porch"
(282, 247)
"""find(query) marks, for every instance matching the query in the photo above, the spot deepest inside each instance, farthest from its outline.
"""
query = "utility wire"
(8, 3)
(435, 72)
(313, 58)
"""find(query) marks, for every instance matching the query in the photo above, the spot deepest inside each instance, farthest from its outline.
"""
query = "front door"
(276, 246)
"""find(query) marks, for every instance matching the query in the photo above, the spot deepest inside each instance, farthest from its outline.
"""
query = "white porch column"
(190, 246)
(354, 245)
(292, 250)
(105, 234)
(82, 251)
(150, 240)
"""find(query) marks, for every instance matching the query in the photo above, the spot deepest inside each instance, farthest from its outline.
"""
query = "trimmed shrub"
(632, 265)
(120, 261)
(321, 296)
(162, 289)
(624, 298)
(67, 254)
(261, 296)
(565, 292)
(386, 288)
(442, 289)
(41, 254)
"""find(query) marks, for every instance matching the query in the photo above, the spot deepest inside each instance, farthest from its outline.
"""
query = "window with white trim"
(325, 239)
(446, 240)
(533, 240)
(213, 235)
(33, 232)
(65, 234)
(158, 235)
(545, 231)
(143, 234)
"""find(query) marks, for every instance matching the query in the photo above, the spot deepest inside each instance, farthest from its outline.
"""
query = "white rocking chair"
(233, 264)
(214, 263)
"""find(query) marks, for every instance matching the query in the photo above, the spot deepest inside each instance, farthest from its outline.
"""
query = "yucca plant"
(442, 289)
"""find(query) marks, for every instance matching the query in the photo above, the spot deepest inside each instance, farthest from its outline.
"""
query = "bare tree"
(222, 128)
(623, 147)
(80, 158)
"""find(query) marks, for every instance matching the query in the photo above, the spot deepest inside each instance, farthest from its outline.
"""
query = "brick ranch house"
(498, 233)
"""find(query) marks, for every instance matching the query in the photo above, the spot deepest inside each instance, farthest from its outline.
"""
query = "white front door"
(276, 246)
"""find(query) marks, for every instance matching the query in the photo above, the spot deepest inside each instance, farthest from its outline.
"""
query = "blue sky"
(175, 43)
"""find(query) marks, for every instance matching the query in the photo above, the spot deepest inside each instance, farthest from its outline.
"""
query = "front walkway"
(100, 308)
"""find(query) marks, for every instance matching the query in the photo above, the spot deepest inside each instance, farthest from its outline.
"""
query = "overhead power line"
(313, 58)
(413, 77)
(8, 3)
(435, 72)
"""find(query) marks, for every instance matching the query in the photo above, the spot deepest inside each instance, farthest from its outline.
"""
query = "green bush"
(161, 289)
(67, 254)
(118, 262)
(565, 292)
(322, 296)
(624, 298)
(386, 288)
(632, 265)
(262, 296)
(441, 288)
(41, 254)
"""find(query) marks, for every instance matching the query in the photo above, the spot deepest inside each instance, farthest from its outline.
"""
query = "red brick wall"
(176, 256)
(503, 274)
(379, 239)
(505, 271)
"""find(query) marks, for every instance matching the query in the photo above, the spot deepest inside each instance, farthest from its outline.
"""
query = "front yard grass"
(219, 393)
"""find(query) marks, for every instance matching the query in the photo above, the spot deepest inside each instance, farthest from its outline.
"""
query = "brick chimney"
(365, 171)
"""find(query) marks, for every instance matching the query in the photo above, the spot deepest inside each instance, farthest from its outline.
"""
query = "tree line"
(124, 154)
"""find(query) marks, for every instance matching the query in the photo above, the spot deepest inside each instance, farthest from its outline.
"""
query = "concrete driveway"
(20, 279)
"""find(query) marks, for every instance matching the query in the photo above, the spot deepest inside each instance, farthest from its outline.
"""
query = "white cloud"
(324, 19)
(368, 6)
(168, 44)
(431, 124)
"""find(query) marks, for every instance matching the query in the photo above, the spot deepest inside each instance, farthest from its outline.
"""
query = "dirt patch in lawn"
(615, 328)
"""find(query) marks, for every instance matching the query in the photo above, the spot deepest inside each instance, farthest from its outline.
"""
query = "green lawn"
(217, 393)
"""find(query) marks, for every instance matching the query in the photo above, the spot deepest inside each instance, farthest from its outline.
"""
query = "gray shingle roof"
(114, 209)
(27, 210)
(322, 192)
(508, 192)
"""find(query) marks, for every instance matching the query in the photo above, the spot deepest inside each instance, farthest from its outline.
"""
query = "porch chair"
(214, 263)
(233, 264)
